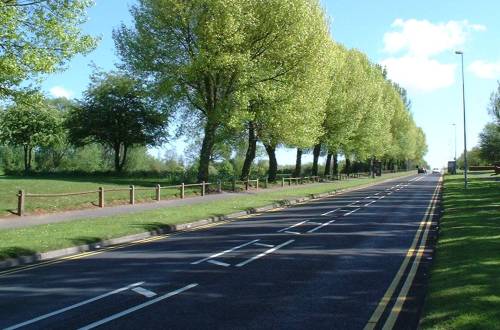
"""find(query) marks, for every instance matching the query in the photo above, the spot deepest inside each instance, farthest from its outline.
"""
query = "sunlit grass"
(464, 290)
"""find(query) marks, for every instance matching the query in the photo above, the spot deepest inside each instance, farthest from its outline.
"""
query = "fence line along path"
(23, 195)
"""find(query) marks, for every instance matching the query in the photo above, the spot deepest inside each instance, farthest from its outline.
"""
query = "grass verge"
(27, 241)
(464, 290)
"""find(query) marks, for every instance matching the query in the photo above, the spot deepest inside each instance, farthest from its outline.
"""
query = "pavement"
(354, 261)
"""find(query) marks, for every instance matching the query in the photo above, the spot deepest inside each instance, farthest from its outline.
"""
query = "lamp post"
(461, 53)
(455, 129)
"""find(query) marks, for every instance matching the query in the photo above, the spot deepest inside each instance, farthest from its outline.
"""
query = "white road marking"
(218, 263)
(326, 213)
(291, 232)
(321, 226)
(138, 307)
(314, 223)
(368, 197)
(62, 310)
(145, 292)
(264, 245)
(390, 193)
(292, 226)
(367, 204)
(348, 213)
(241, 264)
(223, 252)
(377, 193)
(381, 197)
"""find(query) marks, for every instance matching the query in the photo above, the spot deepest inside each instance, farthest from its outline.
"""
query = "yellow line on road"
(372, 322)
(396, 309)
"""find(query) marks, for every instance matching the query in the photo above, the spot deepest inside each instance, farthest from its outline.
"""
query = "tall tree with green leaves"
(118, 113)
(30, 126)
(212, 57)
(289, 110)
(38, 37)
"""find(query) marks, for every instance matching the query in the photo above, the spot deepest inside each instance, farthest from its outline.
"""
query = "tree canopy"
(38, 37)
(118, 113)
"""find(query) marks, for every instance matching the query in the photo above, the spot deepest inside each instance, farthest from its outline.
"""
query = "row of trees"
(231, 74)
(271, 70)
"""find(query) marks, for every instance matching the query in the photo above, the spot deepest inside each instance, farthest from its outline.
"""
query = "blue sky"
(414, 39)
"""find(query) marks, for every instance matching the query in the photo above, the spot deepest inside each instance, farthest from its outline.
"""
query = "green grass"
(464, 291)
(10, 185)
(25, 241)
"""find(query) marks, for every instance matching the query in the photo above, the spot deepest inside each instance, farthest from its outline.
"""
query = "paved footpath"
(343, 262)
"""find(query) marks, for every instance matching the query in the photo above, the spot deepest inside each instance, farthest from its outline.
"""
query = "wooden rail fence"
(22, 195)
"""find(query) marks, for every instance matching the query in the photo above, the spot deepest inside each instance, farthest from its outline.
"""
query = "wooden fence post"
(282, 182)
(101, 197)
(158, 196)
(267, 182)
(203, 188)
(234, 184)
(219, 186)
(20, 203)
(247, 184)
(182, 190)
(257, 184)
(132, 194)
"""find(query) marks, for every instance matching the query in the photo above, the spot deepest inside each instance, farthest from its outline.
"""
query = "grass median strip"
(464, 290)
(42, 238)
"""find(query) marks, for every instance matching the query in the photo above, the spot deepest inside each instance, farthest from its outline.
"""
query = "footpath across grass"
(464, 290)
(26, 241)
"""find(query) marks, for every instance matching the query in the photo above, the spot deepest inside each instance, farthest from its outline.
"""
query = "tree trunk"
(124, 157)
(328, 165)
(206, 150)
(116, 148)
(298, 163)
(273, 163)
(27, 159)
(372, 168)
(335, 164)
(250, 155)
(316, 152)
(347, 166)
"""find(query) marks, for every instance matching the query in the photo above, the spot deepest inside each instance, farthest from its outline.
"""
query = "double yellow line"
(413, 251)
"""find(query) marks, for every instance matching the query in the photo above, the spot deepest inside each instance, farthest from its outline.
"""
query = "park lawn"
(464, 289)
(10, 185)
(26, 241)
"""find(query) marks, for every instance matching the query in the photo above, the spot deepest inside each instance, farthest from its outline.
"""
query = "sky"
(414, 40)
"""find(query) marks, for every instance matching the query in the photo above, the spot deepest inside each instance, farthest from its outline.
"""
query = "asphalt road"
(322, 264)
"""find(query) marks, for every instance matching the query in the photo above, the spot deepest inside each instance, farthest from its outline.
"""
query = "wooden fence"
(23, 195)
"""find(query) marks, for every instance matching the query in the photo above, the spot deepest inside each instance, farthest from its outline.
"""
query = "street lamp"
(461, 53)
(455, 129)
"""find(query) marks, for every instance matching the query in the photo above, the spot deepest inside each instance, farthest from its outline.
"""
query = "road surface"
(353, 261)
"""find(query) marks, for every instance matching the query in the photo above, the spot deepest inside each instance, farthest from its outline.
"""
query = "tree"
(211, 57)
(489, 143)
(30, 127)
(38, 37)
(116, 112)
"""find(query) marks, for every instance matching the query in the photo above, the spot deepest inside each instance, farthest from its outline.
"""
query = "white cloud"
(58, 91)
(420, 73)
(423, 38)
(485, 70)
(413, 46)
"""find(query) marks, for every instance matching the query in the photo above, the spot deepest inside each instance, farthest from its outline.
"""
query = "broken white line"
(348, 213)
(241, 264)
(292, 226)
(223, 252)
(219, 263)
(145, 292)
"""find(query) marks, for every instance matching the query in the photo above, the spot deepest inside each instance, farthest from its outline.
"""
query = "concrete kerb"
(66, 252)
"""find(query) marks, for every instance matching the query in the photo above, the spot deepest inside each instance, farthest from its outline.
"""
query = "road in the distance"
(323, 264)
